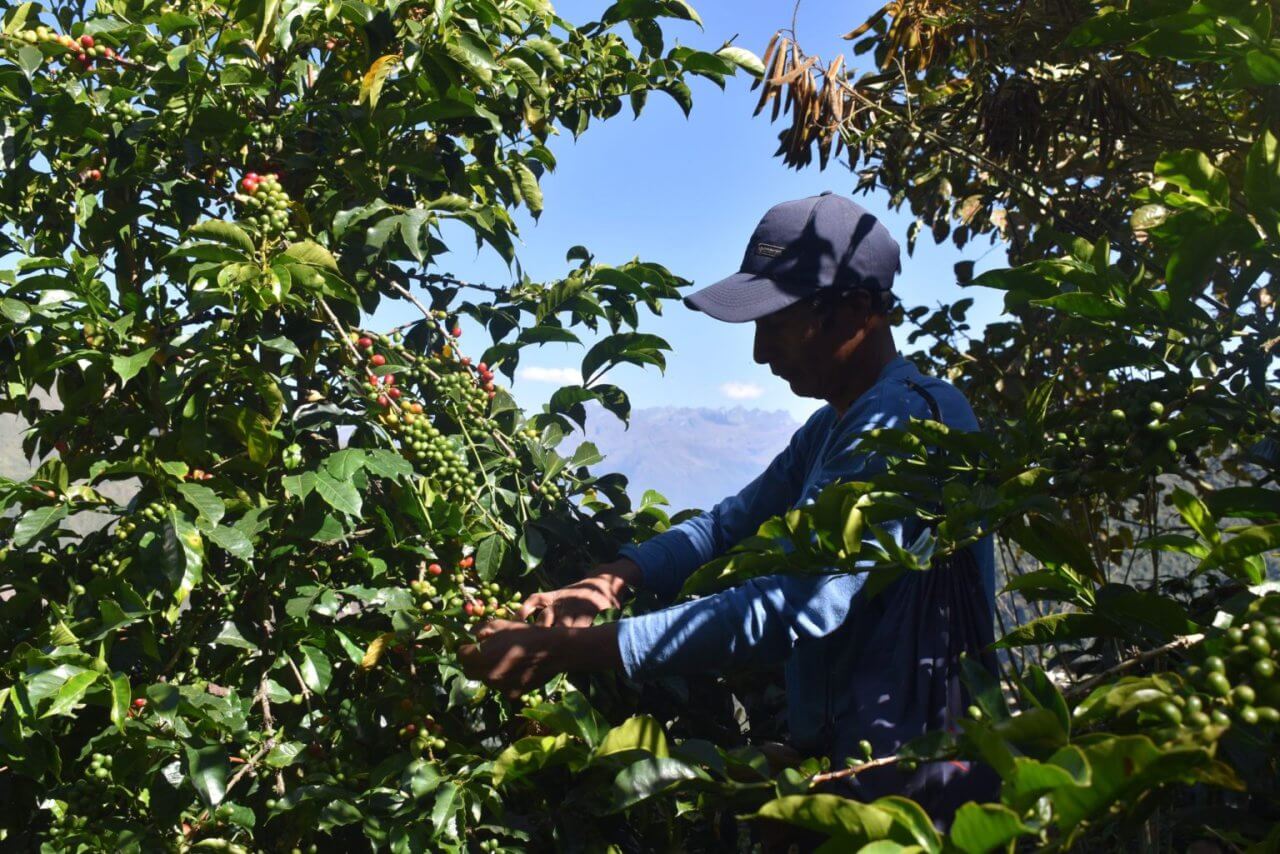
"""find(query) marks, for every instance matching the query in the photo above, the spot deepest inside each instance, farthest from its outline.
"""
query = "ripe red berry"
(467, 562)
(389, 379)
(435, 569)
(365, 342)
(249, 185)
(469, 608)
(466, 361)
(60, 446)
(384, 401)
(378, 360)
(253, 176)
(478, 610)
(457, 332)
(491, 394)
(482, 368)
(86, 40)
(139, 703)
(110, 54)
(411, 728)
(395, 393)
(83, 59)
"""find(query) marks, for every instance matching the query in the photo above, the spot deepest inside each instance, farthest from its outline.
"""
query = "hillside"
(695, 456)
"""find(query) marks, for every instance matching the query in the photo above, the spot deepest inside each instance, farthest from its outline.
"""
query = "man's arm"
(516, 657)
(576, 605)
(662, 563)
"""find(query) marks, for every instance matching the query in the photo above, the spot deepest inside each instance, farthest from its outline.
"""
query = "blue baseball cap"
(800, 247)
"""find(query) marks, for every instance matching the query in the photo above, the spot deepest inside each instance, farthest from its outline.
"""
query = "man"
(816, 281)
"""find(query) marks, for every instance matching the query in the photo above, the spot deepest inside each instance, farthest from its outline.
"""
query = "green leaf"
(182, 548)
(628, 10)
(635, 347)
(230, 635)
(15, 310)
(744, 59)
(648, 777)
(15, 21)
(127, 367)
(1197, 177)
(529, 189)
(35, 522)
(639, 733)
(316, 670)
(911, 817)
(529, 754)
(341, 495)
(1082, 304)
(1060, 628)
(299, 485)
(446, 804)
(204, 500)
(30, 59)
(979, 828)
(231, 540)
(207, 769)
(489, 556)
(1247, 542)
(1262, 174)
(1263, 66)
(71, 692)
(833, 815)
(284, 754)
(1124, 767)
(227, 233)
(312, 253)
(1148, 217)
(121, 694)
(574, 715)
(1196, 515)
(1039, 689)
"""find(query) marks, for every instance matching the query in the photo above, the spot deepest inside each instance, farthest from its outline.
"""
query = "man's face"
(811, 356)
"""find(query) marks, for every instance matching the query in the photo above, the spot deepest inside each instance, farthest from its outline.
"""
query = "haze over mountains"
(695, 456)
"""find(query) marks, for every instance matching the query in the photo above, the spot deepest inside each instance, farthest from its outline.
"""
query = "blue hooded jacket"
(854, 669)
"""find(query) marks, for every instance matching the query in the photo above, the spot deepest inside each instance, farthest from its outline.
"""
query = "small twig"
(882, 762)
(450, 279)
(426, 312)
(306, 692)
(337, 325)
(270, 723)
(1089, 684)
(249, 764)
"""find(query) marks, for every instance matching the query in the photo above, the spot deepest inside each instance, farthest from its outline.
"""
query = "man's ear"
(850, 312)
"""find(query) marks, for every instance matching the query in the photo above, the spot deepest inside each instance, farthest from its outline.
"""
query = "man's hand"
(576, 606)
(516, 657)
(512, 657)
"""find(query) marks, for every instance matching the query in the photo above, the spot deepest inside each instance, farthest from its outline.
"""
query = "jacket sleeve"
(761, 620)
(668, 559)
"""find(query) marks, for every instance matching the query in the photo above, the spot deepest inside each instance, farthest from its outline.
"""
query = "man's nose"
(760, 350)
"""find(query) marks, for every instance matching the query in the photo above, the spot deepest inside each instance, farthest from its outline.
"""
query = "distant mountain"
(695, 456)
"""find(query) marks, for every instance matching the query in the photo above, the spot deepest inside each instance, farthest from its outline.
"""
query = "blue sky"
(687, 193)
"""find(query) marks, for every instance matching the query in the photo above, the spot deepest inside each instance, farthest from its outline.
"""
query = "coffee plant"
(202, 203)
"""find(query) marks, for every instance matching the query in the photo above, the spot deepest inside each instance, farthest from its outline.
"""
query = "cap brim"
(743, 297)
